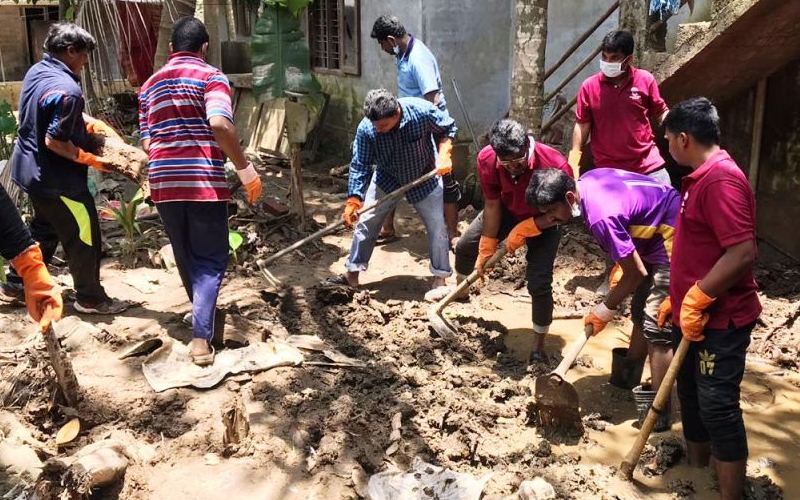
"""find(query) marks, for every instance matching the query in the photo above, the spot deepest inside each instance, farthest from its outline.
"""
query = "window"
(334, 36)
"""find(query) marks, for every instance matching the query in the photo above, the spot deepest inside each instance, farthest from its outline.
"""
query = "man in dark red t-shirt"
(712, 291)
(505, 167)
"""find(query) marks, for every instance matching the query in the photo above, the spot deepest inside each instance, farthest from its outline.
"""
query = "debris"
(95, 465)
(426, 481)
(536, 489)
(211, 459)
(68, 432)
(236, 423)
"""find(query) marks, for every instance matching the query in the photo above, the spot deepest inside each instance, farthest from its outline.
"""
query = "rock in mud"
(536, 489)
(762, 488)
(667, 453)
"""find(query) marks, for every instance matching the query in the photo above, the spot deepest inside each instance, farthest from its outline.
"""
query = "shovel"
(556, 399)
(393, 196)
(440, 325)
(664, 390)
(65, 375)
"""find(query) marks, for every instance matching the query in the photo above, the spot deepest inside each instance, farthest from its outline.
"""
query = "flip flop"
(386, 239)
(204, 359)
(338, 280)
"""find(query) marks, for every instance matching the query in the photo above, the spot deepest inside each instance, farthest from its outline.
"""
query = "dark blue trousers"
(198, 231)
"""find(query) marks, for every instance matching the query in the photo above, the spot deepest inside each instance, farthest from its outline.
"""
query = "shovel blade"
(440, 325)
(557, 404)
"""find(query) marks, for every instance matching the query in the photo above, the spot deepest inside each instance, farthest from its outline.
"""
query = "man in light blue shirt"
(417, 76)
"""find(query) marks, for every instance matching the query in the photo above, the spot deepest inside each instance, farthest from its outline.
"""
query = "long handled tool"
(662, 396)
(440, 325)
(556, 399)
(65, 375)
(393, 196)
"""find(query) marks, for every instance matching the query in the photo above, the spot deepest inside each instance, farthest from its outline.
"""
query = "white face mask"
(611, 70)
(396, 50)
(575, 209)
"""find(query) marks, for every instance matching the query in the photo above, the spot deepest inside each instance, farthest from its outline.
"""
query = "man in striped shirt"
(186, 122)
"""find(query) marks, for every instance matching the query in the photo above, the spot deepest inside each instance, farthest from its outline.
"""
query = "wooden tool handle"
(662, 396)
(494, 259)
(575, 348)
(394, 195)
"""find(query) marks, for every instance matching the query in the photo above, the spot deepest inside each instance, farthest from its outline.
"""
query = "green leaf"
(8, 124)
(280, 56)
(69, 15)
(297, 6)
(235, 240)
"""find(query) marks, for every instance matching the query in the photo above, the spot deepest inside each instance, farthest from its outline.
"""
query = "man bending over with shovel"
(505, 167)
(397, 135)
(632, 217)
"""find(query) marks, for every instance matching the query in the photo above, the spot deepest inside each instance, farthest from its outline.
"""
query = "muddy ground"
(320, 432)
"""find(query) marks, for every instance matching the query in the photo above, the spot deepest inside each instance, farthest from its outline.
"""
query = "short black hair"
(548, 186)
(62, 36)
(386, 26)
(697, 117)
(508, 138)
(380, 104)
(188, 35)
(618, 41)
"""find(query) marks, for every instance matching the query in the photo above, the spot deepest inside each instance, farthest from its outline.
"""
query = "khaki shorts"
(647, 300)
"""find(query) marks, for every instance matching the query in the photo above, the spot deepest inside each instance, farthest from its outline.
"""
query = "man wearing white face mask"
(614, 108)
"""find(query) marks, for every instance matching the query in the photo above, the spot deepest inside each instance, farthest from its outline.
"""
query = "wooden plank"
(270, 128)
(246, 116)
(758, 130)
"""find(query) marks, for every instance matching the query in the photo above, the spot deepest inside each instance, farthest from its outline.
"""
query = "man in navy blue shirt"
(398, 137)
(417, 76)
(50, 163)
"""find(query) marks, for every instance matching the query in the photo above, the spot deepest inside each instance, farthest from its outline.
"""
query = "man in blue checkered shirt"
(397, 137)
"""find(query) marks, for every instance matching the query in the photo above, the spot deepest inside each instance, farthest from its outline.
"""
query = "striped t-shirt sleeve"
(218, 97)
(144, 128)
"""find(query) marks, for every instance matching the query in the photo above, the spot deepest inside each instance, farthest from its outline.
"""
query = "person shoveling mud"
(632, 217)
(389, 136)
(505, 167)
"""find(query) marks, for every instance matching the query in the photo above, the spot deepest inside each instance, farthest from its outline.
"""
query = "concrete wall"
(13, 43)
(471, 40)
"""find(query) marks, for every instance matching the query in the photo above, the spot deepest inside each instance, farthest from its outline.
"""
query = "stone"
(536, 489)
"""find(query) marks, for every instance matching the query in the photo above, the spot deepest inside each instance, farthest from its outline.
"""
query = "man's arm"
(729, 269)
(434, 96)
(225, 135)
(579, 135)
(492, 212)
(361, 164)
(633, 272)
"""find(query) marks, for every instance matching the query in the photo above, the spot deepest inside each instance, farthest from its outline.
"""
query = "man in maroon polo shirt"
(505, 168)
(712, 291)
(614, 107)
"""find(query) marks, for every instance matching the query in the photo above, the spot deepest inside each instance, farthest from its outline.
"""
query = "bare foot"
(199, 347)
(352, 278)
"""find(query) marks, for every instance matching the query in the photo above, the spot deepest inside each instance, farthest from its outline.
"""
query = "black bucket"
(625, 373)
(643, 396)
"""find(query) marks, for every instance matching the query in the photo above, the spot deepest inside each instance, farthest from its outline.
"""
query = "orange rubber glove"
(40, 289)
(100, 127)
(251, 182)
(351, 208)
(614, 276)
(444, 160)
(574, 160)
(486, 248)
(522, 231)
(664, 313)
(693, 319)
(600, 316)
(92, 160)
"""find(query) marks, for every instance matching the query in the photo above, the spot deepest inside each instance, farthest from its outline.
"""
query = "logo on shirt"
(707, 363)
(636, 95)
(683, 202)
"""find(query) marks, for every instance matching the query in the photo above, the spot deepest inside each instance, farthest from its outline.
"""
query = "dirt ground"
(320, 431)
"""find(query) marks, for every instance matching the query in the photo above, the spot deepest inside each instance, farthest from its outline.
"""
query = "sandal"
(385, 239)
(203, 359)
(338, 280)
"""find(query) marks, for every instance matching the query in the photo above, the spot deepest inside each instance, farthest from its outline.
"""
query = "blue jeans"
(198, 231)
(368, 227)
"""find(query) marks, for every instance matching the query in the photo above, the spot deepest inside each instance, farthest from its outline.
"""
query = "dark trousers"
(74, 224)
(198, 231)
(541, 254)
(709, 389)
(14, 236)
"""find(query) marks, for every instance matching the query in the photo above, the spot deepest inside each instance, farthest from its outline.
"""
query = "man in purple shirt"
(632, 217)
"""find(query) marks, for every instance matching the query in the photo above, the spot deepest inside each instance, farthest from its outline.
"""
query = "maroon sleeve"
(583, 111)
(657, 104)
(729, 209)
(487, 173)
(551, 158)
